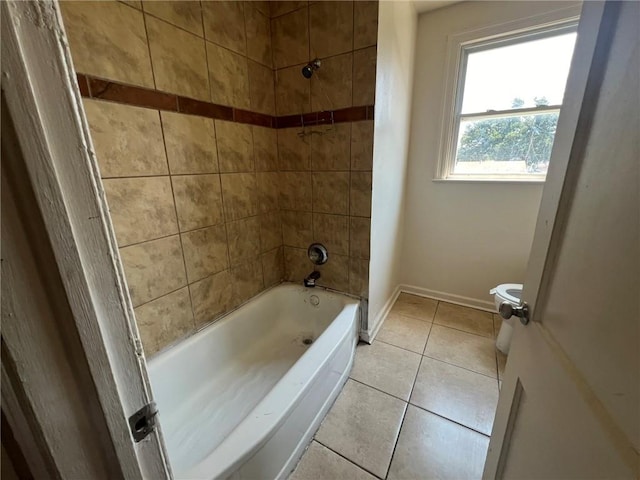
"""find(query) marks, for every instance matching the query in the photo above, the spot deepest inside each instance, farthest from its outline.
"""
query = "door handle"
(507, 311)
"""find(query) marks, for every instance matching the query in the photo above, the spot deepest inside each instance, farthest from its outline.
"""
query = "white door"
(73, 373)
(570, 402)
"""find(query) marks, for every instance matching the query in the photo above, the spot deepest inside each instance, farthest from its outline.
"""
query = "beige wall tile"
(183, 14)
(164, 320)
(331, 28)
(247, 281)
(133, 3)
(331, 84)
(335, 273)
(198, 200)
(331, 192)
(235, 147)
(259, 35)
(362, 145)
(268, 190)
(297, 228)
(290, 38)
(360, 194)
(141, 208)
(260, 5)
(153, 268)
(359, 229)
(179, 60)
(365, 22)
(239, 194)
(273, 266)
(261, 88)
(224, 24)
(270, 231)
(332, 231)
(280, 7)
(211, 297)
(205, 252)
(364, 76)
(190, 142)
(294, 151)
(265, 149)
(359, 278)
(293, 91)
(296, 264)
(108, 40)
(330, 151)
(295, 191)
(127, 140)
(244, 239)
(228, 76)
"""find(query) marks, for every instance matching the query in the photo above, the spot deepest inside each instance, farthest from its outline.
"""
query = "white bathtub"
(243, 397)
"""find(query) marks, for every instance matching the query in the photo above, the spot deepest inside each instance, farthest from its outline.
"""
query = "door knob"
(507, 311)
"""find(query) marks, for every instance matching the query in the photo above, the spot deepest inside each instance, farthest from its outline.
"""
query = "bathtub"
(242, 398)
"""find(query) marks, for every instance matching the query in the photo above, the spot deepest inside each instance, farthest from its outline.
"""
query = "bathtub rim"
(154, 357)
(215, 465)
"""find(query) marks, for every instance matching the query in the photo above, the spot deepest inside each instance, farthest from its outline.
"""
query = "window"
(506, 104)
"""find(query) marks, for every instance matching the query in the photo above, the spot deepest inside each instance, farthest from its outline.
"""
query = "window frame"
(459, 46)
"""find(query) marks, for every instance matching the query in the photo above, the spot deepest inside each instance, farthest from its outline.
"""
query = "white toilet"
(507, 292)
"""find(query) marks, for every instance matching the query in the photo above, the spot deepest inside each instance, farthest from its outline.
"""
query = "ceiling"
(427, 5)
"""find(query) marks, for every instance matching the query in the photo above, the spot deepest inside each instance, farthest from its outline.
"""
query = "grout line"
(325, 58)
(342, 456)
(162, 296)
(379, 390)
(175, 209)
(146, 34)
(404, 415)
(449, 420)
(290, 11)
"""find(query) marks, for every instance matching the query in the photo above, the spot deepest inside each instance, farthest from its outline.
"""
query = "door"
(73, 373)
(570, 403)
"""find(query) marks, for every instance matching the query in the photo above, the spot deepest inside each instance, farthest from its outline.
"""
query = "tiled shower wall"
(193, 200)
(325, 170)
(196, 202)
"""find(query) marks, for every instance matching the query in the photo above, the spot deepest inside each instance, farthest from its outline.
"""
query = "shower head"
(309, 68)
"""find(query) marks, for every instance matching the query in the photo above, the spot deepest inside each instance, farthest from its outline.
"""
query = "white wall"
(394, 79)
(461, 239)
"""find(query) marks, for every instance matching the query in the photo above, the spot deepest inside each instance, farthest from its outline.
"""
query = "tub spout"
(310, 281)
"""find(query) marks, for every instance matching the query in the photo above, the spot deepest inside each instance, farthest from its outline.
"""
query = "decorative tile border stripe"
(97, 88)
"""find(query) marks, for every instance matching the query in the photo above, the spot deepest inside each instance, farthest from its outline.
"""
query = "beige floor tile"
(363, 426)
(465, 350)
(457, 394)
(387, 368)
(414, 306)
(432, 447)
(320, 463)
(465, 319)
(502, 363)
(405, 332)
(497, 323)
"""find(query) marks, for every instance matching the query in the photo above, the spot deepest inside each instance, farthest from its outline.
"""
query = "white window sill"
(495, 180)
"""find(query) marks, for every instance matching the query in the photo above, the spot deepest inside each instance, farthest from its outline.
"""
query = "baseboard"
(449, 297)
(372, 331)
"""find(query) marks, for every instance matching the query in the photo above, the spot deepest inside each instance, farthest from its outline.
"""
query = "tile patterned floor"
(420, 401)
